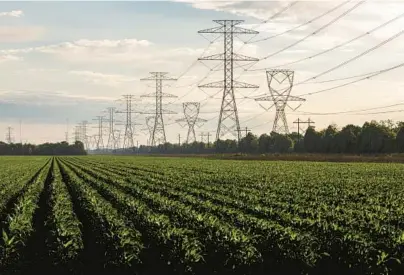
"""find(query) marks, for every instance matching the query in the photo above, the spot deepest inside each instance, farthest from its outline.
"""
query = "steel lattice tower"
(280, 97)
(112, 141)
(9, 137)
(76, 133)
(99, 140)
(83, 134)
(129, 131)
(191, 113)
(228, 118)
(159, 134)
(118, 138)
(150, 127)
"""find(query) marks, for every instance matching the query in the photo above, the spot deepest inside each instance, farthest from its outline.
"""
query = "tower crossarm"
(279, 98)
(235, 57)
(236, 84)
(226, 23)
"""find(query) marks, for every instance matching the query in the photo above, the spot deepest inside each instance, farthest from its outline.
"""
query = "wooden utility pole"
(298, 122)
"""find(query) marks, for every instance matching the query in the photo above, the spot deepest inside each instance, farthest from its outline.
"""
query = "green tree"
(264, 144)
(347, 139)
(312, 141)
(400, 138)
(249, 144)
(329, 140)
(281, 143)
(376, 138)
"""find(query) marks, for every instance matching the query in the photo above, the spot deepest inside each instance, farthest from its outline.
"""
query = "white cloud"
(85, 50)
(14, 13)
(20, 34)
(257, 9)
(115, 51)
(103, 79)
(9, 57)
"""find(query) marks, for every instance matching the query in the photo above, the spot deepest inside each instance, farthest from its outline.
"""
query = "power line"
(353, 111)
(356, 57)
(272, 17)
(304, 24)
(311, 34)
(196, 61)
(339, 45)
(355, 81)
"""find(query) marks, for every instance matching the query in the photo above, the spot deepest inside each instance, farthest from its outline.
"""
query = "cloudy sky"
(64, 61)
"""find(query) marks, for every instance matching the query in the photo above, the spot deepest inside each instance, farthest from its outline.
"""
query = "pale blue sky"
(70, 60)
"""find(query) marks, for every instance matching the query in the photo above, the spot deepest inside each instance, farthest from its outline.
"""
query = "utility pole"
(191, 113)
(228, 118)
(99, 140)
(208, 135)
(202, 136)
(298, 122)
(129, 131)
(159, 134)
(246, 131)
(9, 136)
(309, 122)
(112, 144)
(179, 139)
(280, 98)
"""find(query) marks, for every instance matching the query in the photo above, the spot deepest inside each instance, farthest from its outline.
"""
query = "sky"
(64, 62)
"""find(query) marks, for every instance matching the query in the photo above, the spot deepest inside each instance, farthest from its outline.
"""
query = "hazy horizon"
(71, 60)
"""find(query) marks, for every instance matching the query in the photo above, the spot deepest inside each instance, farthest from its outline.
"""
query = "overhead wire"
(355, 81)
(384, 42)
(272, 17)
(353, 111)
(303, 24)
(333, 21)
(339, 45)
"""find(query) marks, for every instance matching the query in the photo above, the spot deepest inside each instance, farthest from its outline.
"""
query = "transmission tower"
(9, 135)
(150, 127)
(118, 138)
(191, 113)
(67, 131)
(228, 118)
(83, 134)
(280, 97)
(76, 133)
(159, 134)
(129, 129)
(99, 140)
(112, 144)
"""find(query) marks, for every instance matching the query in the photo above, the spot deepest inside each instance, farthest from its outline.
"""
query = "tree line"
(373, 137)
(48, 149)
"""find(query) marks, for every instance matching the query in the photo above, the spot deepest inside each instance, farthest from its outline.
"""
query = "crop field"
(144, 215)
